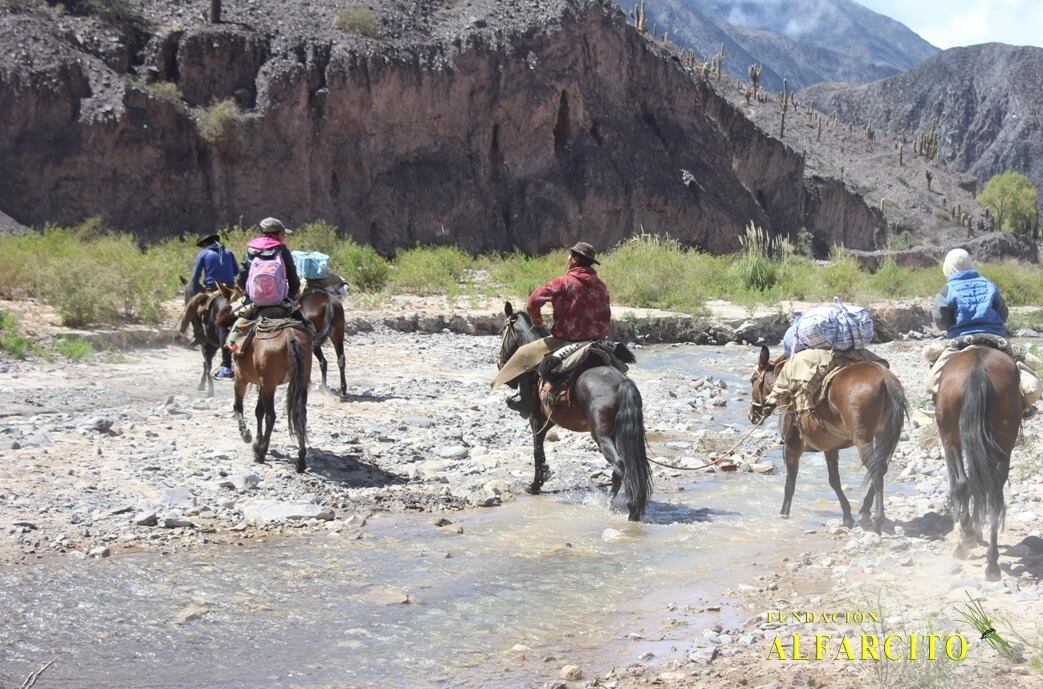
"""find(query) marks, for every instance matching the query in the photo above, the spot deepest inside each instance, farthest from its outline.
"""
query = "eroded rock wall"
(584, 130)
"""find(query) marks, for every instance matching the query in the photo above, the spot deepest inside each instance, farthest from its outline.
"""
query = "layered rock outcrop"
(575, 125)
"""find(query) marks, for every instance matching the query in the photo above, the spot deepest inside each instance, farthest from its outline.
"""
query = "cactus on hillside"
(870, 132)
(784, 100)
(930, 176)
(639, 16)
(755, 76)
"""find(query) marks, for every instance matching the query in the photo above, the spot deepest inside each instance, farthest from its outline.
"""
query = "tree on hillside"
(1012, 200)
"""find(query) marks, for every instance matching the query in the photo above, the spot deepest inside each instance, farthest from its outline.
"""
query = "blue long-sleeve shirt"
(214, 265)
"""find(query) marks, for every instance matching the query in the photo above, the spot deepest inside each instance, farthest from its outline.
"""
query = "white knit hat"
(957, 261)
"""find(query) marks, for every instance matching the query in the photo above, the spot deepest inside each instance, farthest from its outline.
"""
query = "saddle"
(269, 321)
(558, 372)
(988, 340)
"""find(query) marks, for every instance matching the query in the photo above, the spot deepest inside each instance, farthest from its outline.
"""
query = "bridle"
(759, 408)
(508, 331)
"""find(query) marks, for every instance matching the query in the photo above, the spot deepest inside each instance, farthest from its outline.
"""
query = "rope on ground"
(733, 448)
(31, 680)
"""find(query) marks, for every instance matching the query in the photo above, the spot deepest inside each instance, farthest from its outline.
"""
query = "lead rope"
(725, 454)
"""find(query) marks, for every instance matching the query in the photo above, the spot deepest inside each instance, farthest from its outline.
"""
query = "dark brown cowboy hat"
(586, 251)
(208, 239)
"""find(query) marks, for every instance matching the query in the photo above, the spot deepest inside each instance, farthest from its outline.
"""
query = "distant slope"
(987, 101)
(805, 41)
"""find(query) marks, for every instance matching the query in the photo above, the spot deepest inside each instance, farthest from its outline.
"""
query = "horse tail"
(982, 456)
(629, 439)
(886, 441)
(297, 394)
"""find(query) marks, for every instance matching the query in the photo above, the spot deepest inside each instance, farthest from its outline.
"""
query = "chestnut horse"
(269, 360)
(865, 403)
(211, 325)
(605, 403)
(326, 313)
(978, 413)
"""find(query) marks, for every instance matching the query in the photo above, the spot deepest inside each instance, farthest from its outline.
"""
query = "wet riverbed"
(410, 605)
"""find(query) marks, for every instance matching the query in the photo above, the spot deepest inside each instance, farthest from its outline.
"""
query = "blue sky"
(949, 23)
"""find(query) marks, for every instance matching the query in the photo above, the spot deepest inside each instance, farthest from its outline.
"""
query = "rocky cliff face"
(984, 101)
(495, 132)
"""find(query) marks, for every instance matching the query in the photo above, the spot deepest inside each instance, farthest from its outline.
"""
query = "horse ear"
(508, 309)
(226, 291)
(182, 279)
(764, 360)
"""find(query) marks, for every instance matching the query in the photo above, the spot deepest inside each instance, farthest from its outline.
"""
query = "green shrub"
(220, 123)
(1020, 285)
(166, 90)
(360, 20)
(360, 266)
(755, 272)
(75, 348)
(10, 342)
(429, 270)
(517, 274)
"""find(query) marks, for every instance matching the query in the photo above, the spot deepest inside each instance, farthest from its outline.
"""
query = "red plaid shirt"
(581, 305)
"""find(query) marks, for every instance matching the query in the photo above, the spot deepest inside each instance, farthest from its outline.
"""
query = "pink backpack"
(266, 284)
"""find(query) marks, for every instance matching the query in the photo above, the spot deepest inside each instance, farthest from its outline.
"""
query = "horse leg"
(322, 365)
(338, 347)
(832, 465)
(259, 414)
(608, 449)
(261, 447)
(959, 500)
(205, 381)
(539, 432)
(791, 455)
(996, 511)
(237, 407)
(874, 492)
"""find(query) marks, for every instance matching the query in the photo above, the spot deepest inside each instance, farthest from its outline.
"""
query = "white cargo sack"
(835, 326)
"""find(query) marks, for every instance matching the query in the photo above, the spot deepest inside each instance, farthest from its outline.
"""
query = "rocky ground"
(121, 454)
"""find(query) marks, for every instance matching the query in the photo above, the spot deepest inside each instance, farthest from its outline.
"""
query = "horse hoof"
(992, 572)
(960, 553)
(532, 489)
(247, 437)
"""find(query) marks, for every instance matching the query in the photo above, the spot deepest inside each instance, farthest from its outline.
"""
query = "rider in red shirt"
(581, 312)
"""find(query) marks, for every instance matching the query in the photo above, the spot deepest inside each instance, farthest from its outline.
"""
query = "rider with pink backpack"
(268, 278)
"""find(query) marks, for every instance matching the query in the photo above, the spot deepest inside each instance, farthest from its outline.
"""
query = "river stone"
(189, 613)
(277, 511)
(243, 481)
(453, 452)
(762, 468)
(176, 498)
(175, 523)
(388, 596)
(99, 551)
(147, 518)
(673, 676)
(612, 535)
(571, 673)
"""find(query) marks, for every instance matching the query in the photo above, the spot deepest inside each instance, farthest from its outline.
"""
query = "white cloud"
(947, 24)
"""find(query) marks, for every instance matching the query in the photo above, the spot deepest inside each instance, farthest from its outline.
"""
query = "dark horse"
(978, 413)
(326, 313)
(269, 360)
(865, 407)
(605, 403)
(210, 315)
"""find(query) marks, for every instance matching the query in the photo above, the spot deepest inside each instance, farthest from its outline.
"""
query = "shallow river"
(326, 611)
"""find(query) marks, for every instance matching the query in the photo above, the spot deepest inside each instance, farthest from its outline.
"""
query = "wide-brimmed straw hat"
(586, 251)
(273, 226)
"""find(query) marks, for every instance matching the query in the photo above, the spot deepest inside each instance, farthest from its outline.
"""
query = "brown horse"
(210, 316)
(269, 360)
(864, 407)
(978, 413)
(326, 313)
(605, 403)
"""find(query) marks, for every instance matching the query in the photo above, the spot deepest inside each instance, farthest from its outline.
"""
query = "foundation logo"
(865, 646)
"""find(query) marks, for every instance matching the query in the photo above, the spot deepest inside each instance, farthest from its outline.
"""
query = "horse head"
(762, 379)
(230, 292)
(517, 331)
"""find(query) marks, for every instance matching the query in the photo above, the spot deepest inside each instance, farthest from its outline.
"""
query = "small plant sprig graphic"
(974, 614)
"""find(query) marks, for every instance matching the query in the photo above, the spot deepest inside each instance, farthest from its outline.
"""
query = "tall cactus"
(215, 11)
(930, 176)
(755, 76)
(784, 99)
(639, 17)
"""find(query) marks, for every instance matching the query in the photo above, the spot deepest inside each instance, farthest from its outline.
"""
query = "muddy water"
(330, 611)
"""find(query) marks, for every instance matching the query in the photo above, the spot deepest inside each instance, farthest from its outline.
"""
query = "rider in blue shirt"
(214, 265)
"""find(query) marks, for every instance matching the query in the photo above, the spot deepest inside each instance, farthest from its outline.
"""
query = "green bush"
(360, 266)
(429, 270)
(220, 123)
(10, 342)
(1020, 285)
(517, 275)
(75, 348)
(360, 20)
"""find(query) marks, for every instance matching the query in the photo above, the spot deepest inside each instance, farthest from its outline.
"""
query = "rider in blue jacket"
(214, 265)
(969, 304)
